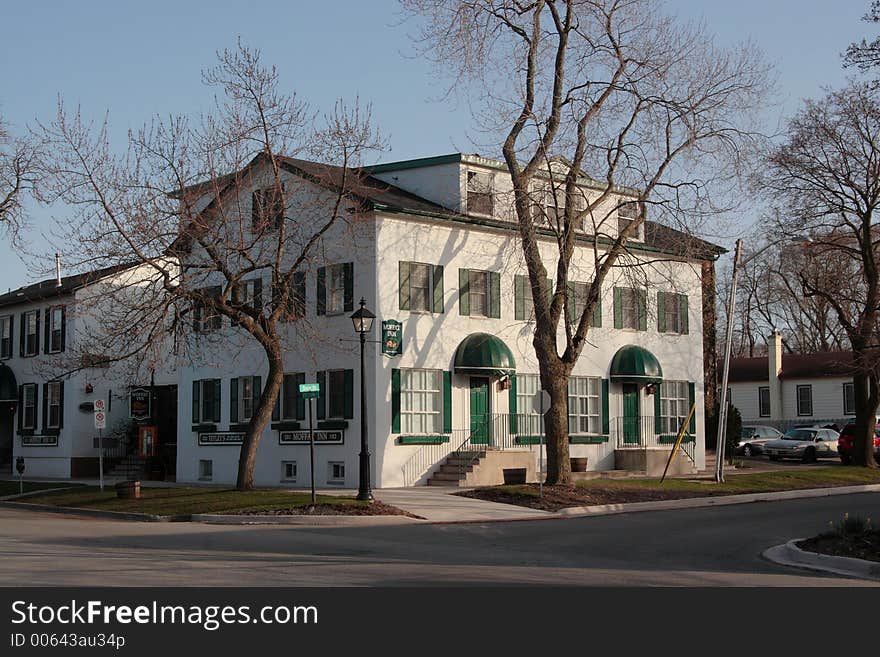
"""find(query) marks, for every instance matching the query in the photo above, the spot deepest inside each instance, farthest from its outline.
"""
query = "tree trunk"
(866, 400)
(262, 416)
(554, 379)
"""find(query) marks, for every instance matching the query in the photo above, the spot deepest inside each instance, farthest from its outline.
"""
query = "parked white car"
(754, 437)
(804, 443)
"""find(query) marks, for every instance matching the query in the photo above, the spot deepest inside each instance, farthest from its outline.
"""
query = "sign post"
(541, 400)
(100, 424)
(19, 466)
(310, 391)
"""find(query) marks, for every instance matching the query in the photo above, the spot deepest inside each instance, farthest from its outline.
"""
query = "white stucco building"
(782, 390)
(50, 375)
(433, 245)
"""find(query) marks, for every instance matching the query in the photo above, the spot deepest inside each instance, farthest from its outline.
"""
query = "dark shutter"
(643, 310)
(276, 407)
(661, 312)
(197, 315)
(447, 401)
(606, 417)
(258, 294)
(464, 296)
(349, 395)
(64, 327)
(597, 312)
(692, 396)
(572, 303)
(21, 334)
(287, 396)
(47, 329)
(196, 403)
(45, 406)
(60, 404)
(233, 401)
(322, 291)
(403, 285)
(11, 335)
(683, 312)
(618, 309)
(257, 387)
(218, 396)
(37, 335)
(321, 378)
(300, 400)
(494, 294)
(348, 296)
(20, 407)
(437, 281)
(519, 309)
(395, 401)
(658, 419)
(256, 210)
(512, 409)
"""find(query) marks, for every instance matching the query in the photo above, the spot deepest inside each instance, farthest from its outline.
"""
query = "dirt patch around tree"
(555, 498)
(376, 508)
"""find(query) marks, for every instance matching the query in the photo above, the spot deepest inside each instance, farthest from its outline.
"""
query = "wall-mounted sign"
(139, 404)
(147, 445)
(39, 441)
(302, 437)
(221, 439)
(392, 338)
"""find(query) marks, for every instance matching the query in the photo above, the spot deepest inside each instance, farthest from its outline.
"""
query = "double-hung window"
(674, 406)
(577, 303)
(30, 333)
(335, 288)
(421, 401)
(28, 418)
(267, 209)
(249, 293)
(849, 399)
(530, 422)
(479, 293)
(763, 401)
(244, 395)
(805, 400)
(206, 401)
(479, 193)
(6, 337)
(336, 396)
(584, 405)
(630, 308)
(55, 318)
(672, 313)
(626, 214)
(54, 404)
(205, 316)
(421, 287)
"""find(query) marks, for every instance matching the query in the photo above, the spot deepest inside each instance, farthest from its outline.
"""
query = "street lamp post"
(363, 324)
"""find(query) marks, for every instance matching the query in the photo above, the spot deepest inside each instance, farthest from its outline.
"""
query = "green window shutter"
(447, 401)
(572, 310)
(514, 420)
(437, 279)
(643, 310)
(464, 295)
(196, 405)
(348, 296)
(45, 403)
(218, 396)
(300, 400)
(403, 280)
(683, 310)
(395, 401)
(321, 378)
(233, 401)
(661, 312)
(618, 309)
(61, 403)
(349, 394)
(692, 396)
(20, 414)
(46, 325)
(21, 332)
(494, 294)
(597, 313)
(64, 327)
(258, 391)
(606, 419)
(519, 285)
(658, 419)
(322, 291)
(276, 409)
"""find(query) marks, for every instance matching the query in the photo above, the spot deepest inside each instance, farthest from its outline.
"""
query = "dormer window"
(479, 193)
(626, 214)
(267, 209)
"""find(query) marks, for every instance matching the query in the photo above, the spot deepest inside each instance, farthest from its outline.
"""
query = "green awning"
(634, 364)
(8, 384)
(481, 353)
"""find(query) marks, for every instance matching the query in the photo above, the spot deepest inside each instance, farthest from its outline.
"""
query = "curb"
(92, 513)
(18, 496)
(789, 554)
(305, 521)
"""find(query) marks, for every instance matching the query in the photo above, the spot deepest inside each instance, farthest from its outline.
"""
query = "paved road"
(712, 546)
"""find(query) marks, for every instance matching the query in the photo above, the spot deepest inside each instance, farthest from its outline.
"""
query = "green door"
(631, 413)
(479, 410)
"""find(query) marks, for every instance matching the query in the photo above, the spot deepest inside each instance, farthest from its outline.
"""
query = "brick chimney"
(774, 364)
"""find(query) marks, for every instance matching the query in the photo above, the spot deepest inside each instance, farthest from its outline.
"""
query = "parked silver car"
(754, 437)
(804, 443)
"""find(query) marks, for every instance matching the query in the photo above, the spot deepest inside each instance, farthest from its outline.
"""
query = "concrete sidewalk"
(440, 505)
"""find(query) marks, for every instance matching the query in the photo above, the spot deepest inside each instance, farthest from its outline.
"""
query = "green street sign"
(309, 390)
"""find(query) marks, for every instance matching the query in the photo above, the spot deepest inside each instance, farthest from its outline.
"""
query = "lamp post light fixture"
(363, 324)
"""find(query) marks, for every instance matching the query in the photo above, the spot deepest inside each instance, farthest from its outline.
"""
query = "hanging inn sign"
(392, 338)
(139, 404)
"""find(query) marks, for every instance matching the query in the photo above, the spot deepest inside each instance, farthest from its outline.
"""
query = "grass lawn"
(618, 491)
(185, 501)
(11, 487)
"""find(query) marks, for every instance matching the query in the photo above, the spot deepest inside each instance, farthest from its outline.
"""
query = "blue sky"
(145, 59)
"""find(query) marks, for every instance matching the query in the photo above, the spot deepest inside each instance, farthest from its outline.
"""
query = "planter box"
(128, 490)
(579, 464)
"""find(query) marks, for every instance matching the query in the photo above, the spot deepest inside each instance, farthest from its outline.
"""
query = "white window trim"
(284, 476)
(797, 399)
(671, 423)
(529, 422)
(35, 314)
(206, 465)
(242, 416)
(330, 269)
(49, 405)
(24, 400)
(407, 416)
(52, 329)
(6, 321)
(430, 296)
(635, 297)
(574, 406)
(333, 480)
(851, 386)
(769, 406)
(490, 177)
(488, 282)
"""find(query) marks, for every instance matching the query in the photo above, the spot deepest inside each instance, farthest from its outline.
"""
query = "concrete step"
(447, 476)
(440, 482)
(453, 468)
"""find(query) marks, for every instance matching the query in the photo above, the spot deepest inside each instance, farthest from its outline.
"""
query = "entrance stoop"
(652, 461)
(486, 468)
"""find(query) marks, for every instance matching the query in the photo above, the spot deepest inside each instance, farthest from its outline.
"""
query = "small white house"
(436, 257)
(47, 411)
(782, 390)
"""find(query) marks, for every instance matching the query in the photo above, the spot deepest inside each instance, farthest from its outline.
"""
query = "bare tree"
(612, 88)
(864, 54)
(179, 207)
(825, 177)
(18, 176)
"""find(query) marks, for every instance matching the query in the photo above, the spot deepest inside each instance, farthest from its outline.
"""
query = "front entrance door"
(6, 437)
(480, 433)
(631, 413)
